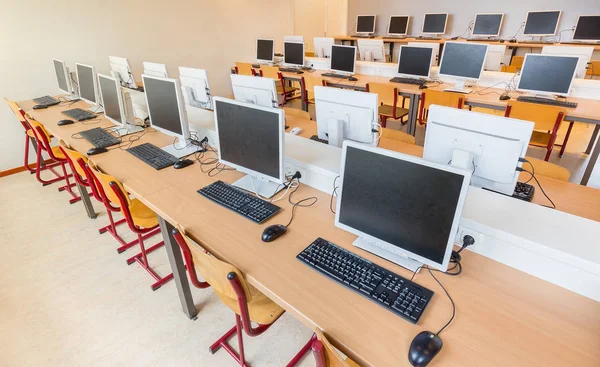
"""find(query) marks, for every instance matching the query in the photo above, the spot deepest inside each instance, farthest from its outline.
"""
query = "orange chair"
(286, 92)
(244, 68)
(593, 69)
(388, 102)
(509, 69)
(324, 353)
(29, 135)
(546, 119)
(440, 98)
(517, 61)
(308, 84)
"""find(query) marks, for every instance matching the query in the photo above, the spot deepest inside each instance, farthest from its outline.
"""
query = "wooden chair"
(397, 135)
(547, 120)
(244, 68)
(548, 169)
(72, 157)
(440, 98)
(509, 69)
(29, 134)
(286, 92)
(309, 54)
(593, 69)
(325, 354)
(517, 61)
(388, 102)
(308, 84)
(289, 111)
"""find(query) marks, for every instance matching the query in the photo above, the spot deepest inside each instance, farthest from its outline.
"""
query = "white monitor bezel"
(374, 23)
(123, 61)
(463, 77)
(443, 266)
(95, 81)
(281, 125)
(326, 41)
(540, 92)
(183, 121)
(577, 25)
(67, 76)
(123, 122)
(542, 11)
(407, 25)
(488, 35)
(303, 53)
(353, 64)
(431, 58)
(272, 49)
(445, 23)
(155, 67)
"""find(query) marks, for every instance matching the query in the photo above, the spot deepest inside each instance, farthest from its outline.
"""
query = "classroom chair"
(286, 92)
(309, 54)
(397, 135)
(517, 61)
(244, 68)
(388, 102)
(325, 354)
(546, 119)
(20, 115)
(441, 98)
(593, 69)
(308, 84)
(547, 169)
(140, 219)
(289, 111)
(509, 69)
(72, 157)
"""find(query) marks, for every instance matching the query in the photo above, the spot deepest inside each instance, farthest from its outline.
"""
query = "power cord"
(520, 169)
(334, 192)
(311, 200)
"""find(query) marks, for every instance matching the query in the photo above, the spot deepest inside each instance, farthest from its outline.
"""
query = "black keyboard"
(46, 101)
(540, 42)
(548, 101)
(363, 36)
(523, 191)
(581, 43)
(153, 156)
(79, 114)
(239, 201)
(334, 75)
(418, 82)
(316, 138)
(99, 137)
(289, 70)
(429, 38)
(389, 290)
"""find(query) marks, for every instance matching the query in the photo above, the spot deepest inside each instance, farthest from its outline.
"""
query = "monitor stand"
(459, 87)
(96, 109)
(182, 148)
(130, 129)
(254, 185)
(382, 251)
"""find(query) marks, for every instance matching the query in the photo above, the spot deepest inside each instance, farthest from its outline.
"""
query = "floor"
(68, 299)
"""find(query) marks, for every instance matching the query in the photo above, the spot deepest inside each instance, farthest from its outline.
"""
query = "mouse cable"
(455, 259)
(540, 186)
(449, 297)
(300, 202)
(334, 192)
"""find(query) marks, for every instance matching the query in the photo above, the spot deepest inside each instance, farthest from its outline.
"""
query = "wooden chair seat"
(540, 138)
(142, 215)
(548, 169)
(397, 135)
(58, 153)
(288, 90)
(388, 111)
(261, 309)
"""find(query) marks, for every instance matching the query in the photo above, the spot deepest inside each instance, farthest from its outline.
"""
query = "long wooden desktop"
(504, 316)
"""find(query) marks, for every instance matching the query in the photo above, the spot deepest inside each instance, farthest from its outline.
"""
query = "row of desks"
(504, 316)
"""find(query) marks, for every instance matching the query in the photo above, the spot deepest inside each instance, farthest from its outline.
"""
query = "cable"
(451, 301)
(541, 188)
(516, 34)
(334, 192)
(299, 203)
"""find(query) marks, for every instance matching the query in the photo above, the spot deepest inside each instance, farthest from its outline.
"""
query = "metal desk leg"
(179, 275)
(413, 110)
(87, 203)
(591, 164)
(593, 139)
(391, 52)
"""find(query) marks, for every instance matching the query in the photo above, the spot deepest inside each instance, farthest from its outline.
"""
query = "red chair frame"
(27, 128)
(394, 108)
(237, 71)
(305, 91)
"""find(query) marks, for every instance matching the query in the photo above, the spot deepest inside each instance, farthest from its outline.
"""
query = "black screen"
(415, 61)
(162, 104)
(249, 137)
(264, 50)
(463, 59)
(434, 23)
(109, 90)
(398, 25)
(541, 22)
(552, 74)
(293, 53)
(60, 76)
(85, 77)
(403, 203)
(365, 24)
(588, 28)
(487, 24)
(343, 58)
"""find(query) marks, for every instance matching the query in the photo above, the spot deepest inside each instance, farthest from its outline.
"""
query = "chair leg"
(26, 158)
(68, 185)
(383, 121)
(39, 168)
(564, 144)
(303, 352)
(142, 259)
(112, 229)
(549, 151)
(222, 343)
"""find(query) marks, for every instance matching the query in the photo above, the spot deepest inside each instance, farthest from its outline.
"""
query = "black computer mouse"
(65, 122)
(504, 97)
(95, 151)
(454, 38)
(512, 41)
(353, 79)
(501, 41)
(40, 107)
(271, 233)
(423, 348)
(299, 72)
(423, 86)
(182, 163)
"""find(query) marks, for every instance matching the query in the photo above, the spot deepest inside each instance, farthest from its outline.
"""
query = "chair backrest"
(289, 111)
(244, 68)
(546, 118)
(397, 135)
(548, 169)
(517, 61)
(103, 180)
(309, 54)
(509, 69)
(42, 136)
(593, 68)
(267, 71)
(72, 157)
(439, 98)
(387, 93)
(309, 83)
(18, 113)
(326, 355)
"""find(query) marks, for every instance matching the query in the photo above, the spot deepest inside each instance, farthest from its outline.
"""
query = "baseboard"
(12, 171)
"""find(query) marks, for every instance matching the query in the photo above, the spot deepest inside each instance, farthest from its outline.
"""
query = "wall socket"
(463, 231)
(290, 169)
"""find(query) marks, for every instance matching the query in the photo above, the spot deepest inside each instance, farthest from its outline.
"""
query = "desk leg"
(34, 143)
(391, 52)
(593, 139)
(179, 274)
(87, 203)
(591, 164)
(413, 110)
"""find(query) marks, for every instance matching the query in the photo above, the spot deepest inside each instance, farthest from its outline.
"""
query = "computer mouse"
(296, 131)
(512, 41)
(40, 107)
(271, 233)
(95, 151)
(299, 72)
(65, 122)
(504, 97)
(501, 41)
(423, 348)
(454, 38)
(353, 79)
(182, 163)
(423, 86)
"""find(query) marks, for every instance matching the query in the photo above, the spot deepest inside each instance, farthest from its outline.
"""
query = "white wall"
(463, 11)
(203, 34)
(319, 18)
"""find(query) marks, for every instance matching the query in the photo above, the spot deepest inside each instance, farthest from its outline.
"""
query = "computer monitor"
(155, 69)
(63, 76)
(121, 70)
(542, 23)
(346, 115)
(398, 25)
(258, 91)
(415, 62)
(167, 113)
(584, 53)
(488, 24)
(323, 46)
(265, 50)
(251, 140)
(117, 105)
(298, 39)
(365, 24)
(432, 45)
(293, 53)
(371, 50)
(490, 146)
(495, 57)
(88, 86)
(463, 61)
(343, 59)
(587, 29)
(195, 88)
(548, 74)
(435, 23)
(402, 208)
